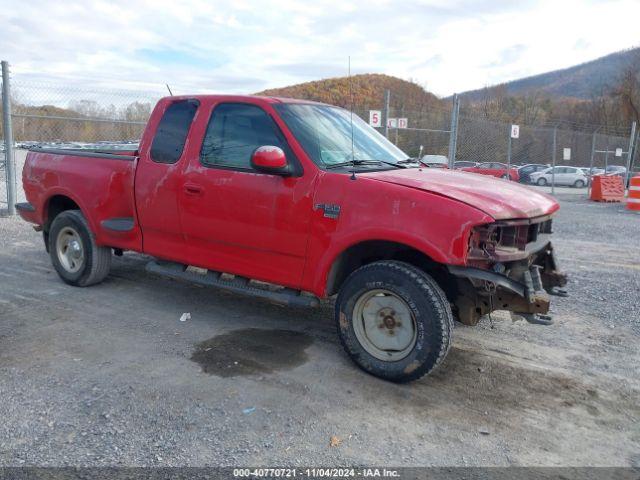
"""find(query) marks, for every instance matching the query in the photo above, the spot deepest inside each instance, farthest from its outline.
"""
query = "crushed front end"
(510, 266)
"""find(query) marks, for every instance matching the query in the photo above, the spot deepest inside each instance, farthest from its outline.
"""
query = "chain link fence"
(73, 114)
(77, 115)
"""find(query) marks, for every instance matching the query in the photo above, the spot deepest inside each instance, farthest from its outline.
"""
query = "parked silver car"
(571, 176)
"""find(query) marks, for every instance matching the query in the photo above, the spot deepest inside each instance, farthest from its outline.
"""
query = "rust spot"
(344, 323)
(412, 366)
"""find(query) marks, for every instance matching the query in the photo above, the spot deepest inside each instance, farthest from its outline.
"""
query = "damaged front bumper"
(520, 286)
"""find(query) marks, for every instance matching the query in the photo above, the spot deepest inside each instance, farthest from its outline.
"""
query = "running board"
(236, 284)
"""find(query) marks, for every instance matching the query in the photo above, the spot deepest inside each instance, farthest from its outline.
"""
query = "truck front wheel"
(73, 250)
(394, 321)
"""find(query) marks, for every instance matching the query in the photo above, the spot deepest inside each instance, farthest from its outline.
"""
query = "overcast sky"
(242, 46)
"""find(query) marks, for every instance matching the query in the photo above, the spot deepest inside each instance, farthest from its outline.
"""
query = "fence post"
(629, 153)
(385, 112)
(553, 162)
(9, 164)
(633, 156)
(453, 130)
(509, 155)
(593, 153)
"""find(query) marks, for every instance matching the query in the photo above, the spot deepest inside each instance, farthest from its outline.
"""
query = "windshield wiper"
(409, 160)
(355, 163)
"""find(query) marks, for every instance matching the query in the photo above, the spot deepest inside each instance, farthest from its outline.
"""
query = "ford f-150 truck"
(296, 201)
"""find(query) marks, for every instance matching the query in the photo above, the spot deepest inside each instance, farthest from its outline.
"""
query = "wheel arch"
(365, 252)
(55, 204)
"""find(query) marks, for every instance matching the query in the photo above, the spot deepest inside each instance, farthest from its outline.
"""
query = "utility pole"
(553, 161)
(9, 164)
(453, 130)
(385, 112)
(593, 153)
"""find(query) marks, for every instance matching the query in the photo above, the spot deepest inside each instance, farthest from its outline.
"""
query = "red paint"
(494, 169)
(270, 227)
(269, 157)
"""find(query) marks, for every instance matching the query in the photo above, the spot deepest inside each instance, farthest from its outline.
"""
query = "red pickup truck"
(294, 201)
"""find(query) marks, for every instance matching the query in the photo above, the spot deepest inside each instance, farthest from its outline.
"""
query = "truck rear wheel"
(394, 321)
(74, 253)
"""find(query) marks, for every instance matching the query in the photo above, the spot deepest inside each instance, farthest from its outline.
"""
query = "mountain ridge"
(583, 81)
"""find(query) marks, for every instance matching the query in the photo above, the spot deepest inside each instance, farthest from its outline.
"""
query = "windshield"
(325, 134)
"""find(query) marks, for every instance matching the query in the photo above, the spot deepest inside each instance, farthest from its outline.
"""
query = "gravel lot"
(108, 375)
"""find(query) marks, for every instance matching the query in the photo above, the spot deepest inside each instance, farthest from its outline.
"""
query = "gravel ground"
(108, 375)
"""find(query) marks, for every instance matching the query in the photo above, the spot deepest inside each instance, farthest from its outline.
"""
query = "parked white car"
(571, 176)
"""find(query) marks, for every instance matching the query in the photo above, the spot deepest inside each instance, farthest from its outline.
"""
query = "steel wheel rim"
(69, 250)
(384, 325)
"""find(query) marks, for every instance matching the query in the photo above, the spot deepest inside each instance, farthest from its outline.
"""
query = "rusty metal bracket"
(480, 274)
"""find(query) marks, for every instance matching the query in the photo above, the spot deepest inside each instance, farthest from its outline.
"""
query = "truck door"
(238, 220)
(158, 179)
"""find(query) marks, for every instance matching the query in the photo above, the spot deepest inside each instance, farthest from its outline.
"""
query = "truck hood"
(502, 199)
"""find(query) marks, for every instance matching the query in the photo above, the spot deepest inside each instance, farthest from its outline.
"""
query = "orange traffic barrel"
(633, 200)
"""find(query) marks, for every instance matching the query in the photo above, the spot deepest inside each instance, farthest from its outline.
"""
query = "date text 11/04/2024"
(315, 473)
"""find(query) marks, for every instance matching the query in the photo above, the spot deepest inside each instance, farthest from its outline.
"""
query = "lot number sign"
(375, 118)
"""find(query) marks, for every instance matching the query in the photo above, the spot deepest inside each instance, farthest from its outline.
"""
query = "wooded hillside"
(368, 92)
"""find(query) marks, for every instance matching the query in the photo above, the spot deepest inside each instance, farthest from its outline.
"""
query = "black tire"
(505, 176)
(579, 184)
(541, 181)
(96, 261)
(430, 311)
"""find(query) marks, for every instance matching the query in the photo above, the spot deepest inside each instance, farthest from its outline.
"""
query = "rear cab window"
(171, 134)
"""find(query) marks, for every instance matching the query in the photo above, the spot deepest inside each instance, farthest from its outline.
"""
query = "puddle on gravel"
(252, 351)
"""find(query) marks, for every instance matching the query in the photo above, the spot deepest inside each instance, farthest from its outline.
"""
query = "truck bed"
(98, 181)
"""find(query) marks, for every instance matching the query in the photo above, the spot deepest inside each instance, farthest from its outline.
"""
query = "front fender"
(370, 210)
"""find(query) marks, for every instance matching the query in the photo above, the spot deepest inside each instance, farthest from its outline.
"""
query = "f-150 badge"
(330, 211)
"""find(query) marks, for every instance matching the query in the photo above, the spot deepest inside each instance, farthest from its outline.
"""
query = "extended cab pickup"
(295, 201)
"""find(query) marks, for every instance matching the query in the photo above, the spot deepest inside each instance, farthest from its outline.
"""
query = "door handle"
(192, 189)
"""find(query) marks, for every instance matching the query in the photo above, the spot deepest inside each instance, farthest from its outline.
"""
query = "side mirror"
(270, 159)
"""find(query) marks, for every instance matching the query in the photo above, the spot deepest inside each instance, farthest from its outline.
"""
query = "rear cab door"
(158, 181)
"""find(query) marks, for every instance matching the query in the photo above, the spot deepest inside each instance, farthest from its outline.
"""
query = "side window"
(234, 132)
(484, 165)
(171, 135)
